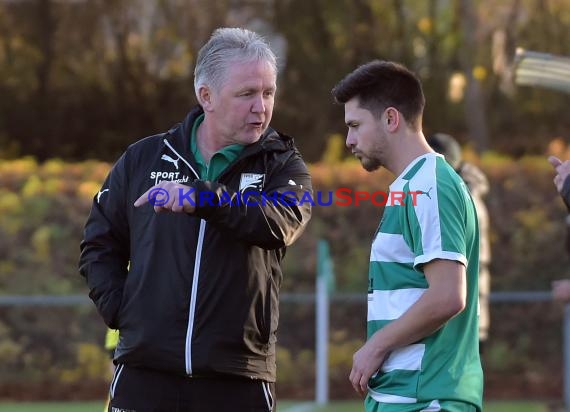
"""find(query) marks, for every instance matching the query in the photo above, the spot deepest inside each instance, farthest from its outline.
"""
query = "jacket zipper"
(195, 275)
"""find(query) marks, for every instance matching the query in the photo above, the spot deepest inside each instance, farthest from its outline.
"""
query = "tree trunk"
(475, 116)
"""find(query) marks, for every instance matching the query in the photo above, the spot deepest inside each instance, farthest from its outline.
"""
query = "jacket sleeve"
(272, 219)
(105, 246)
(565, 193)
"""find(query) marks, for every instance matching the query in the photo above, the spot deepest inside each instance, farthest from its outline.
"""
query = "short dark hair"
(381, 84)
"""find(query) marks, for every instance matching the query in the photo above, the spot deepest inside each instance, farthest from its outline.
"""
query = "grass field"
(283, 406)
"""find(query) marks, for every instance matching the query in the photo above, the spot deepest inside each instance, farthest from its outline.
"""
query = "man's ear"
(391, 119)
(205, 98)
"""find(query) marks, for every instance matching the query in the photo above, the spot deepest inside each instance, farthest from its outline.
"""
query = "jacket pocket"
(108, 305)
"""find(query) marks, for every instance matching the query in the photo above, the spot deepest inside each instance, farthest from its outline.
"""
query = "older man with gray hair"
(197, 308)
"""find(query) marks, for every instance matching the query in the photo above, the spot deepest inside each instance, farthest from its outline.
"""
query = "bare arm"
(445, 297)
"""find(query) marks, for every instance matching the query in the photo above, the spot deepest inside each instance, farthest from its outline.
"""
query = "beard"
(370, 164)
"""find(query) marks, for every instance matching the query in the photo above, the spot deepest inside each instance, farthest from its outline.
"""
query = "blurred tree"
(475, 115)
(83, 79)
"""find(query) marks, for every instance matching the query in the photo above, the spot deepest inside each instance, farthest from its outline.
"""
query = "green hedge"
(43, 208)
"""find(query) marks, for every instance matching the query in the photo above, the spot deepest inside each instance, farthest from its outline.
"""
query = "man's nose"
(258, 105)
(350, 140)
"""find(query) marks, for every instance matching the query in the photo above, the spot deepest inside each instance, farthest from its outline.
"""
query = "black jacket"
(565, 193)
(201, 294)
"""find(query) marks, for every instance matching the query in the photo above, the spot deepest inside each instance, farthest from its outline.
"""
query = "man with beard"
(422, 348)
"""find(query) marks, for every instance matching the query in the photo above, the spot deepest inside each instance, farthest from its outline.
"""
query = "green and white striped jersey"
(436, 221)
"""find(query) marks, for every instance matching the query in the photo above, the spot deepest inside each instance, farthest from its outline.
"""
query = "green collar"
(219, 161)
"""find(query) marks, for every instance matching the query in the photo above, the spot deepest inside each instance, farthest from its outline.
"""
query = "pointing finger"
(554, 161)
(143, 199)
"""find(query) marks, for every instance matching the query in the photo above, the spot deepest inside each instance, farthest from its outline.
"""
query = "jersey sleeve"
(436, 219)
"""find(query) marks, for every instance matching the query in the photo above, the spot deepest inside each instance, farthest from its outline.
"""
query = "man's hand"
(169, 196)
(561, 290)
(445, 297)
(563, 170)
(365, 362)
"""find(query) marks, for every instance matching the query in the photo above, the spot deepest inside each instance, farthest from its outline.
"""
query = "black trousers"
(145, 390)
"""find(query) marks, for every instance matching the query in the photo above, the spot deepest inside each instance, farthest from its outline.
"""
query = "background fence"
(519, 363)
